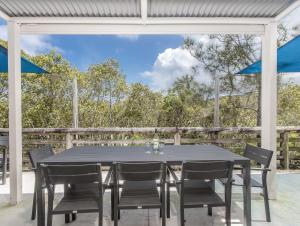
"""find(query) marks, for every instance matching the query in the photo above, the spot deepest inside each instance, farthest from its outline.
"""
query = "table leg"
(213, 187)
(40, 198)
(247, 194)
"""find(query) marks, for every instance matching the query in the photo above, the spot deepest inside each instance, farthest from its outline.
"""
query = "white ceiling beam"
(133, 29)
(4, 16)
(144, 9)
(288, 10)
(137, 20)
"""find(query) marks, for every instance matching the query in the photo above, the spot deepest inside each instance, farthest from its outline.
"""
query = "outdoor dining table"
(171, 154)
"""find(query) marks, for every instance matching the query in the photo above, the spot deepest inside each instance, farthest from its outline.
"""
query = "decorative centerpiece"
(156, 146)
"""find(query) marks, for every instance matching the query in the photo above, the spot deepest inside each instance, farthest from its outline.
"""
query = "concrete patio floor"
(285, 211)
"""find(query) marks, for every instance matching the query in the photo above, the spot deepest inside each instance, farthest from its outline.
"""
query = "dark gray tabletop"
(173, 154)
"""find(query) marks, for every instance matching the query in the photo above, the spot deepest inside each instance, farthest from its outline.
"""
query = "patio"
(146, 17)
(285, 210)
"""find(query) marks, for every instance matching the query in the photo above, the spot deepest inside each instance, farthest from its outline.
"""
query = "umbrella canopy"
(26, 66)
(288, 57)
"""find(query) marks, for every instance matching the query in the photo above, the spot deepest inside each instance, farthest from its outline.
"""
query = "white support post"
(217, 101)
(75, 102)
(144, 10)
(15, 112)
(269, 100)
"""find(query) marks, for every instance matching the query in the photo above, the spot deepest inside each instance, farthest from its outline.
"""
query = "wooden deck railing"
(233, 138)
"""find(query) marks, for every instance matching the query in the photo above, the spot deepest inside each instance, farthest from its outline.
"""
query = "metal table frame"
(173, 155)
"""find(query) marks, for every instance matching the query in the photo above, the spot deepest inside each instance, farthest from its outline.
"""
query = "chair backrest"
(38, 154)
(206, 170)
(259, 155)
(72, 174)
(4, 141)
(140, 171)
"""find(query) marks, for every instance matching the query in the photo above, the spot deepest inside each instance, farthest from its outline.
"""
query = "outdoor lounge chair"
(3, 157)
(140, 187)
(195, 187)
(84, 193)
(36, 155)
(262, 157)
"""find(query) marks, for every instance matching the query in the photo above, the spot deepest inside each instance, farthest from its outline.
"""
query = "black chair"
(84, 193)
(140, 189)
(195, 187)
(3, 157)
(262, 157)
(36, 155)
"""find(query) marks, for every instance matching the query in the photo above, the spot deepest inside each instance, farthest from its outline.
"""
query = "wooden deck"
(285, 211)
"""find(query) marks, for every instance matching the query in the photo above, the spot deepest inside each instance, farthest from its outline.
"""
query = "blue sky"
(153, 60)
(139, 56)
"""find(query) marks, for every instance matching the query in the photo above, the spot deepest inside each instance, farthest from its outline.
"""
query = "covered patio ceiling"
(258, 17)
(131, 16)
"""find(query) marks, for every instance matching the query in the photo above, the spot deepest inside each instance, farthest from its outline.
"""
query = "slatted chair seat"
(238, 181)
(139, 194)
(262, 157)
(76, 203)
(204, 197)
(140, 189)
(36, 155)
(83, 189)
(195, 186)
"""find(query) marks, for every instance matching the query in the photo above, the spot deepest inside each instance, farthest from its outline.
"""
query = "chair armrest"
(177, 181)
(237, 168)
(261, 169)
(106, 182)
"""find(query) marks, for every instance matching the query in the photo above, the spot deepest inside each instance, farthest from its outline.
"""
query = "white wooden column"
(269, 99)
(75, 102)
(15, 112)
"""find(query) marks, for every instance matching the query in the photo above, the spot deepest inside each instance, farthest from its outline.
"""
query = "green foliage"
(141, 107)
(106, 99)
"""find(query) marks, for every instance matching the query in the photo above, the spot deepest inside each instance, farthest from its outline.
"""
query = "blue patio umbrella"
(26, 66)
(288, 57)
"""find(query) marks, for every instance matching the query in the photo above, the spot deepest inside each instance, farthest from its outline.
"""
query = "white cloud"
(170, 65)
(199, 38)
(129, 37)
(32, 44)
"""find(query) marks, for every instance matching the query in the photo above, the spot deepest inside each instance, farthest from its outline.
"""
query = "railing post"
(285, 149)
(69, 141)
(177, 138)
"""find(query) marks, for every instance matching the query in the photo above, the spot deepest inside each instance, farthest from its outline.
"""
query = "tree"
(141, 108)
(105, 84)
(47, 97)
(191, 91)
(225, 55)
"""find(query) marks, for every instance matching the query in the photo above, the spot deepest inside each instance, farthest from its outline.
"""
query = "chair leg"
(33, 212)
(209, 211)
(100, 217)
(228, 206)
(266, 200)
(116, 218)
(182, 220)
(50, 208)
(74, 216)
(168, 201)
(112, 204)
(67, 218)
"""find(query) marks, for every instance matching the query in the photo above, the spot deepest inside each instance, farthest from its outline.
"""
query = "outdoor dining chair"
(143, 187)
(77, 198)
(3, 157)
(195, 187)
(36, 155)
(262, 157)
